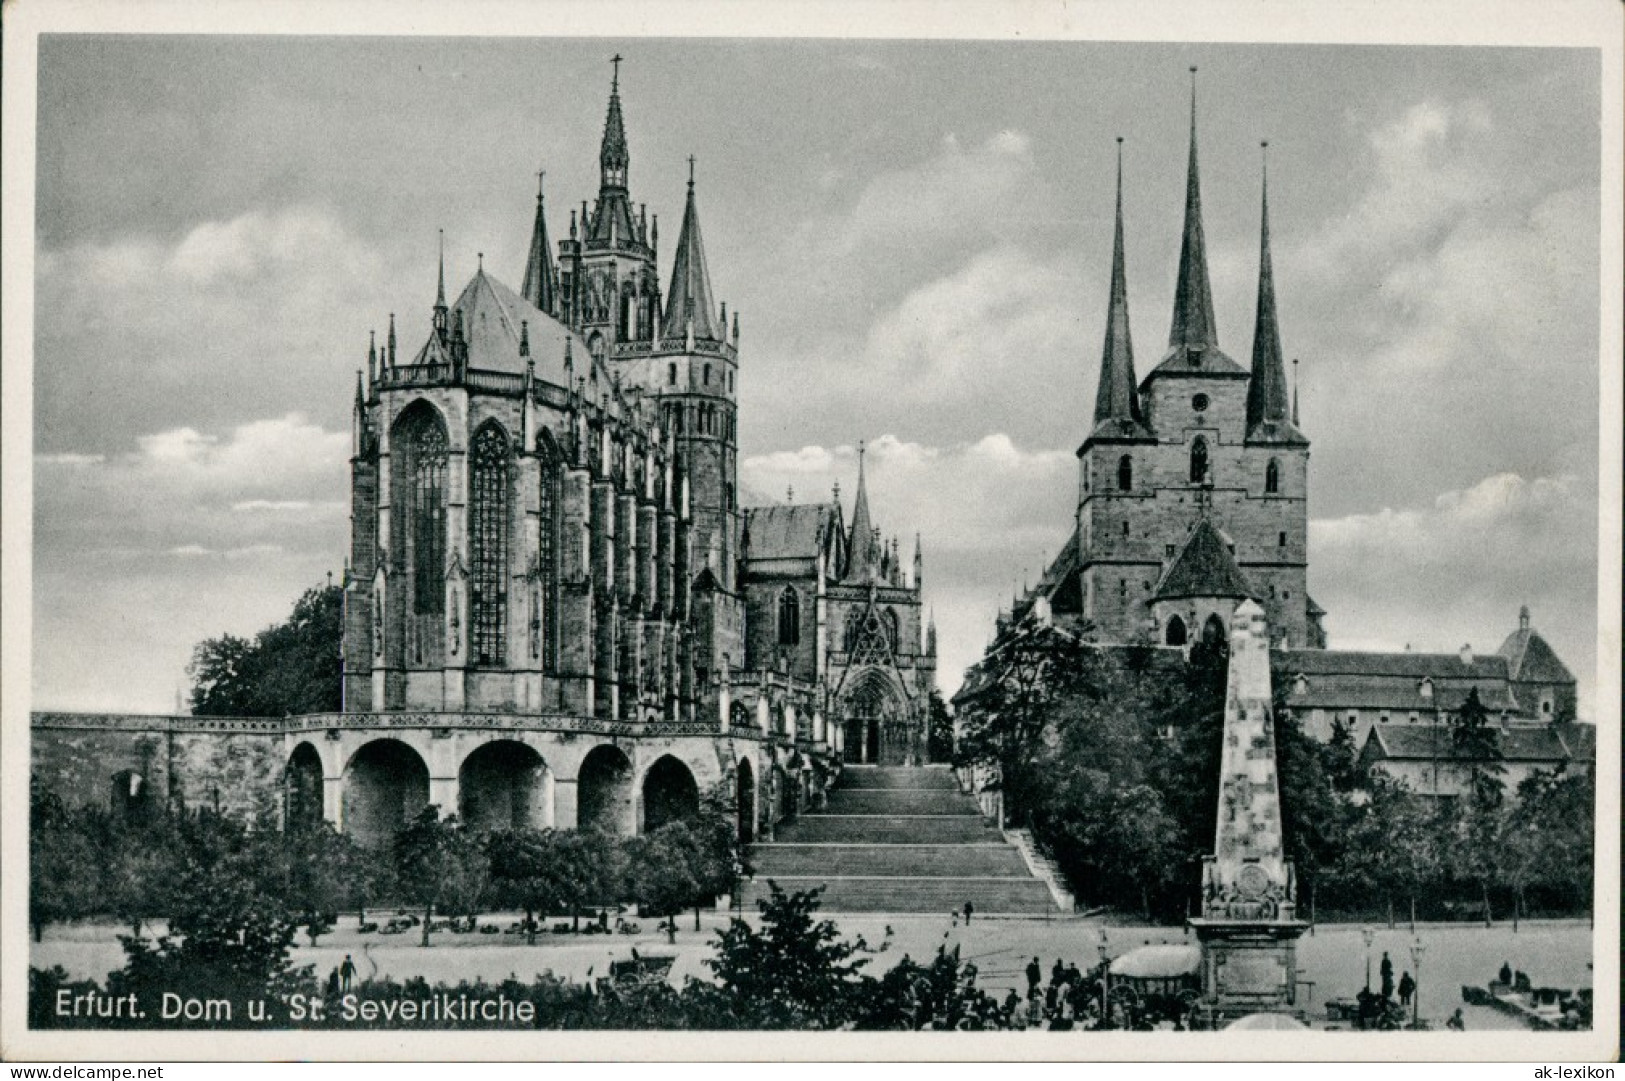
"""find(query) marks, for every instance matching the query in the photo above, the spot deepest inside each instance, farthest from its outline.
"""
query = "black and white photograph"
(1027, 537)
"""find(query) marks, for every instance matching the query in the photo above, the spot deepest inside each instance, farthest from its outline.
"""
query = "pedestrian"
(1034, 974)
(1506, 973)
(1407, 987)
(1058, 973)
(333, 983)
(1456, 1024)
(1387, 970)
(954, 915)
(969, 908)
(347, 972)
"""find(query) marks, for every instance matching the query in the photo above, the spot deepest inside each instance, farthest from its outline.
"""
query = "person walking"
(1035, 974)
(1387, 970)
(1058, 973)
(347, 972)
(969, 908)
(1407, 988)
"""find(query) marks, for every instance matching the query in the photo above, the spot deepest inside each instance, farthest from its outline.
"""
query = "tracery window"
(488, 541)
(547, 558)
(789, 617)
(429, 518)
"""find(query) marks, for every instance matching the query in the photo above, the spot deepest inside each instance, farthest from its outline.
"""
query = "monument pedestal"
(1248, 966)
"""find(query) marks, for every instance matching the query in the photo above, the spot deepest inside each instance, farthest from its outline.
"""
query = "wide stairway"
(898, 839)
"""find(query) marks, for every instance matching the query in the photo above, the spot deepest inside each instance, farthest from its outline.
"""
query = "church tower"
(1192, 484)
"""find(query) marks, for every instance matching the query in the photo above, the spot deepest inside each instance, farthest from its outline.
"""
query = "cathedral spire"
(1117, 397)
(689, 298)
(541, 280)
(1193, 329)
(613, 156)
(861, 555)
(1266, 393)
(440, 291)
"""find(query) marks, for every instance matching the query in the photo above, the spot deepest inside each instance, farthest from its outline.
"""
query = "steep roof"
(1580, 739)
(1203, 568)
(1193, 337)
(1117, 398)
(1268, 414)
(690, 290)
(789, 531)
(1436, 666)
(1531, 660)
(1531, 743)
(541, 287)
(492, 314)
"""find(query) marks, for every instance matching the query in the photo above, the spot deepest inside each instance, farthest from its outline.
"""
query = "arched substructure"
(302, 788)
(505, 785)
(877, 724)
(604, 791)
(745, 800)
(669, 793)
(385, 785)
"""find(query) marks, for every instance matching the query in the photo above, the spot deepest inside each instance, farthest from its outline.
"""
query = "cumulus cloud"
(1457, 569)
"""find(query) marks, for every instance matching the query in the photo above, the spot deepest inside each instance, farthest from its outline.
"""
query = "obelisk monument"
(1249, 928)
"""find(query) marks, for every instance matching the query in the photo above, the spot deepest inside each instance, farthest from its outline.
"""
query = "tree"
(939, 731)
(440, 865)
(326, 871)
(796, 971)
(659, 874)
(292, 667)
(63, 865)
(524, 873)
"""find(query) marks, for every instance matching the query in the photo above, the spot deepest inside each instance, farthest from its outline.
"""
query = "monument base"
(1248, 967)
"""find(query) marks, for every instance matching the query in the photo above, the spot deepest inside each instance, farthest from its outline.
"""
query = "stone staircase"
(899, 839)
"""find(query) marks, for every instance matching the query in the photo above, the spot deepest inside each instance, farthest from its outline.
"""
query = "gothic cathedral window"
(428, 556)
(1272, 477)
(1125, 473)
(789, 617)
(1199, 461)
(1175, 635)
(488, 544)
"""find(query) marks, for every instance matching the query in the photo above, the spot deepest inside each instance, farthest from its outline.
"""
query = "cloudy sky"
(916, 236)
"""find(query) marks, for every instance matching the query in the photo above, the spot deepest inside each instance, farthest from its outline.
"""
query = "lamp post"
(1105, 977)
(1417, 950)
(1370, 936)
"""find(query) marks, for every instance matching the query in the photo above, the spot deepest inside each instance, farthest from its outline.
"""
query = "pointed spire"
(690, 292)
(861, 555)
(1295, 421)
(541, 278)
(440, 290)
(1117, 397)
(389, 352)
(372, 357)
(1267, 390)
(1193, 327)
(613, 156)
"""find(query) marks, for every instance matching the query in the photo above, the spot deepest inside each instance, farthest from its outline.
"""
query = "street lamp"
(1105, 977)
(1417, 950)
(1370, 936)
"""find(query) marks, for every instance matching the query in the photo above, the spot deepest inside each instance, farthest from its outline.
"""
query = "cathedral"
(1193, 487)
(557, 613)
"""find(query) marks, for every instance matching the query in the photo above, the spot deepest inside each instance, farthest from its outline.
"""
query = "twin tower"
(1193, 482)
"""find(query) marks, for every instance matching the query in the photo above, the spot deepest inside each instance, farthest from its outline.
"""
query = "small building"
(1427, 760)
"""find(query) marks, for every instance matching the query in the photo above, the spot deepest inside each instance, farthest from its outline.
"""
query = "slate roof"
(1530, 659)
(1580, 739)
(789, 530)
(492, 314)
(1338, 679)
(1535, 743)
(1117, 398)
(690, 287)
(1203, 568)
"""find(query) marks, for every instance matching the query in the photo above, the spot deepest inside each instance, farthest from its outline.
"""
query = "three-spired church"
(1193, 500)
(557, 611)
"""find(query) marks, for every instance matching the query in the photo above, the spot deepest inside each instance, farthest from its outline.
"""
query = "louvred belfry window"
(429, 520)
(488, 539)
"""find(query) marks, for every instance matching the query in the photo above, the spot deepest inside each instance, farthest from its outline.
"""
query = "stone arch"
(302, 787)
(1213, 630)
(875, 721)
(505, 784)
(745, 800)
(669, 793)
(1175, 634)
(130, 796)
(604, 791)
(386, 783)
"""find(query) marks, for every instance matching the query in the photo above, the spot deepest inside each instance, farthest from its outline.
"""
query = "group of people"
(1379, 1009)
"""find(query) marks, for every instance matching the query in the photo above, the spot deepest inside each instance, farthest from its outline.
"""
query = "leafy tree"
(939, 731)
(1550, 834)
(292, 667)
(659, 874)
(326, 873)
(796, 971)
(524, 873)
(63, 865)
(440, 866)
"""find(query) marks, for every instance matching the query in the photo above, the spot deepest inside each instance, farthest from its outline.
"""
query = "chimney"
(1467, 655)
